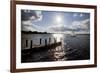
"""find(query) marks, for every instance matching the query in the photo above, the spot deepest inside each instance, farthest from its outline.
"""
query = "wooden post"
(31, 44)
(45, 41)
(49, 40)
(40, 41)
(55, 40)
(61, 42)
(26, 43)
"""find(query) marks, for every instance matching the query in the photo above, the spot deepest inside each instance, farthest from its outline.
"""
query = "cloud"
(31, 15)
(39, 15)
(28, 17)
(27, 26)
(78, 15)
(81, 15)
(78, 26)
(75, 14)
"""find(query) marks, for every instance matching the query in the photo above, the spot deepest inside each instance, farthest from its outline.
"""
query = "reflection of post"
(26, 43)
(31, 44)
(49, 40)
(40, 41)
(45, 41)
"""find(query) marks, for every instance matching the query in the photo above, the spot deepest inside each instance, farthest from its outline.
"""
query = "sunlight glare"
(58, 37)
(58, 19)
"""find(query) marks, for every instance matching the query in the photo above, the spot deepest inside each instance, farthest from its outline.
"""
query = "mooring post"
(40, 41)
(49, 40)
(31, 44)
(45, 41)
(26, 43)
(61, 42)
(55, 40)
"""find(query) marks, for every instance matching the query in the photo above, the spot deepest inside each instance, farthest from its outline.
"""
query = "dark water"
(72, 48)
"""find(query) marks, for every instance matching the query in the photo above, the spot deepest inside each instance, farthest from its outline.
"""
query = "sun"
(58, 19)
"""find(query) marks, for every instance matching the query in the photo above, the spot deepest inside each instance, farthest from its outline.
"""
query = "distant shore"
(36, 32)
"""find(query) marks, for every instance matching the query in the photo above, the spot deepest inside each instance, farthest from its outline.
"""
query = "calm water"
(72, 48)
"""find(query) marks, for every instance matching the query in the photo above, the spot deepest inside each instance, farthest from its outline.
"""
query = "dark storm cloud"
(26, 14)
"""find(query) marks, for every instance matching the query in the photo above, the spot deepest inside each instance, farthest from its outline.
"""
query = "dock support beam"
(40, 41)
(45, 41)
(49, 40)
(26, 43)
(31, 44)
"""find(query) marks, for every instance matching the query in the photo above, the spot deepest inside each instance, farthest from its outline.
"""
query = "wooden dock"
(42, 47)
(31, 50)
(28, 53)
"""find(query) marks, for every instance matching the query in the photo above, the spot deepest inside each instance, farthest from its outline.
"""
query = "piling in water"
(26, 43)
(31, 44)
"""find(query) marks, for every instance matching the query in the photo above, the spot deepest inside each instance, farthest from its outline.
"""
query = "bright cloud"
(82, 25)
(81, 15)
(78, 15)
(75, 14)
(76, 26)
(27, 26)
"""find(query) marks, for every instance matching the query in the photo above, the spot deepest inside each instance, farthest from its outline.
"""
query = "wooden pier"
(42, 47)
(30, 51)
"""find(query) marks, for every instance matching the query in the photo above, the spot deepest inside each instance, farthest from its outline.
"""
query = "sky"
(55, 21)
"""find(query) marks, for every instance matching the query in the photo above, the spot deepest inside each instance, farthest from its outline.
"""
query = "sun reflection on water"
(59, 51)
(58, 37)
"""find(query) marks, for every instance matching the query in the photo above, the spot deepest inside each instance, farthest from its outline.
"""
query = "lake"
(73, 47)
